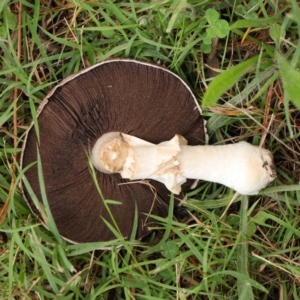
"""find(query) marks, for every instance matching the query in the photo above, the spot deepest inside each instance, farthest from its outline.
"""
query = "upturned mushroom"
(138, 121)
(134, 97)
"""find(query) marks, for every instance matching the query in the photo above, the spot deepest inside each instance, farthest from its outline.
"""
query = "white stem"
(243, 167)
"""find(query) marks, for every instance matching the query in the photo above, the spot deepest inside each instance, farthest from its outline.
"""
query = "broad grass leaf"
(226, 80)
(245, 23)
(290, 80)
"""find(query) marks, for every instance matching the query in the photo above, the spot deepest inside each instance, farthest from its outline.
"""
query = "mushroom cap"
(129, 96)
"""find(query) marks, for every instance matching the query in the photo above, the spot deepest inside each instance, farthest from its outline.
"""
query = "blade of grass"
(168, 223)
(244, 287)
(50, 223)
(290, 79)
(179, 5)
(43, 262)
(4, 208)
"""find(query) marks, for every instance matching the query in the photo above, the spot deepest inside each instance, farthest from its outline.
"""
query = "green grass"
(221, 246)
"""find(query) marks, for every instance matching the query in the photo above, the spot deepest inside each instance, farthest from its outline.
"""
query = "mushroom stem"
(242, 166)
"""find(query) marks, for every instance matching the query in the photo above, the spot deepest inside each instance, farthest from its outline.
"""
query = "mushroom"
(133, 97)
(137, 121)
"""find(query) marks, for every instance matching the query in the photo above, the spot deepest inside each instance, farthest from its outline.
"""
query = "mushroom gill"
(128, 96)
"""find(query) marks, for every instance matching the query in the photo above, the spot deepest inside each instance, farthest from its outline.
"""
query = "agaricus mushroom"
(136, 98)
(136, 120)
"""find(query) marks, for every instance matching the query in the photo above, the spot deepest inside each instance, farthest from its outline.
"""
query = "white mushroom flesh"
(243, 167)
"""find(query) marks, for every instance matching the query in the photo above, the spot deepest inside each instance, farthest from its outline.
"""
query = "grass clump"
(221, 245)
